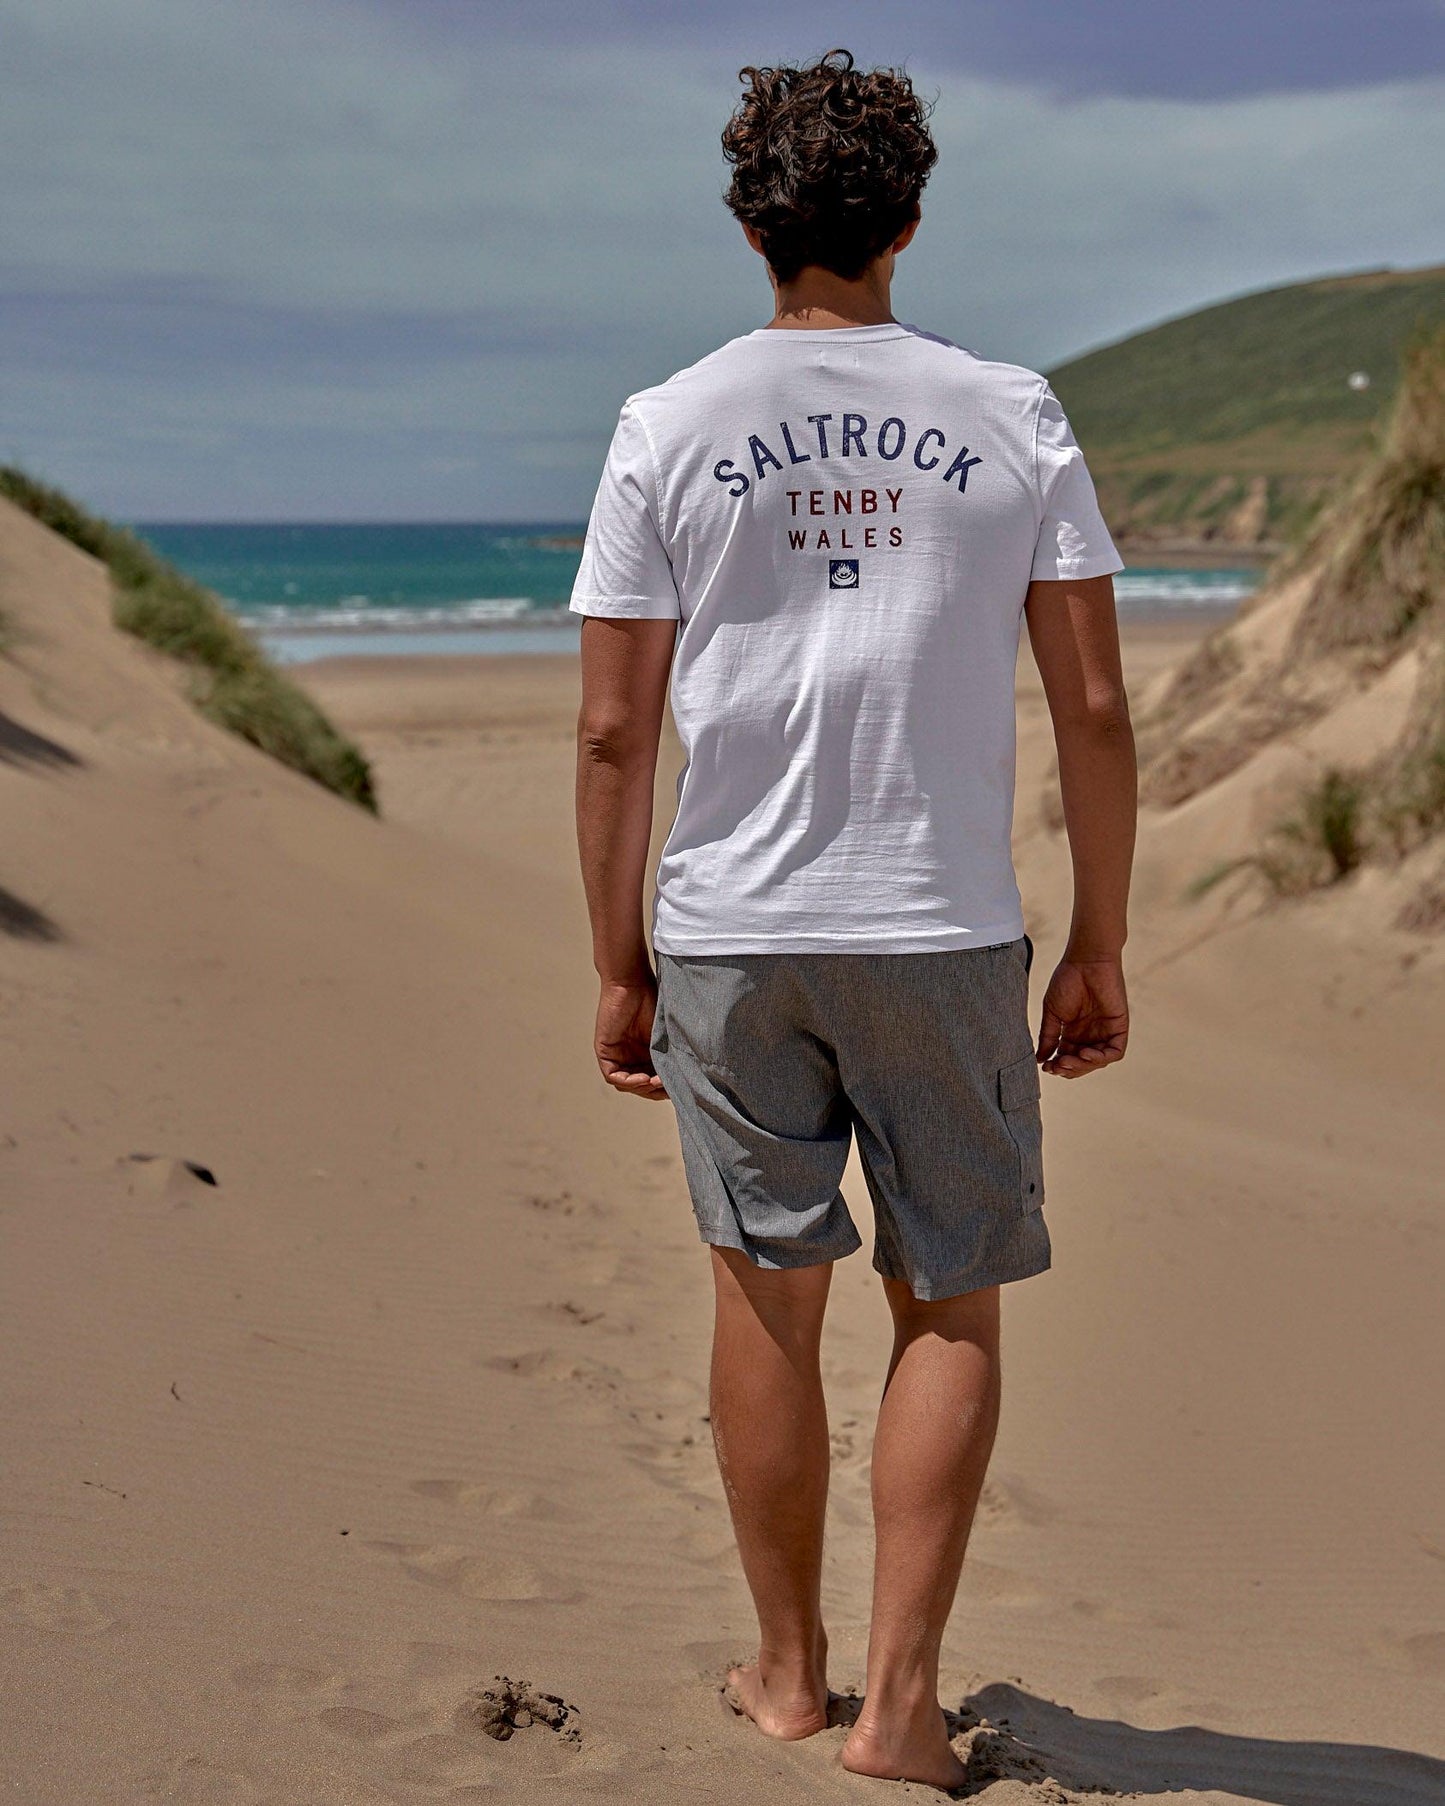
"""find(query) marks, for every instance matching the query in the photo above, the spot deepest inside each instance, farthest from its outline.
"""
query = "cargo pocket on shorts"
(1018, 1096)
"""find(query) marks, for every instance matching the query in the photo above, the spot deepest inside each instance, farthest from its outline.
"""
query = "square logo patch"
(842, 573)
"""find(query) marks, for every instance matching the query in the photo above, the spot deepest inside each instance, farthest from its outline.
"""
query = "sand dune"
(413, 1396)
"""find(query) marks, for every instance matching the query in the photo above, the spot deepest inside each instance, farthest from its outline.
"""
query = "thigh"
(938, 1064)
(764, 1125)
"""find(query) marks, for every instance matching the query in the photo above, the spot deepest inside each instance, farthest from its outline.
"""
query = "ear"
(754, 238)
(905, 237)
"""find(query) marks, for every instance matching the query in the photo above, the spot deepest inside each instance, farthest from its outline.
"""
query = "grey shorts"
(774, 1062)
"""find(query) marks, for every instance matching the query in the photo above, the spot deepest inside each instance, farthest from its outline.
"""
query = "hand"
(1086, 1017)
(623, 1036)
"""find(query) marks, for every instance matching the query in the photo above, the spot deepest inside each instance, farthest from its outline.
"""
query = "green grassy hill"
(1229, 426)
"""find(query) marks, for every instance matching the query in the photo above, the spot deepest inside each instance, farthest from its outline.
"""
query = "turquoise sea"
(315, 590)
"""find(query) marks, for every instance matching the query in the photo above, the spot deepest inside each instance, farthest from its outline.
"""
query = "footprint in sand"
(196, 1781)
(674, 1416)
(558, 1204)
(675, 1434)
(1423, 1653)
(999, 1586)
(440, 1661)
(67, 1609)
(846, 1438)
(444, 1759)
(283, 1682)
(1006, 1502)
(547, 1364)
(685, 1465)
(595, 1264)
(707, 1546)
(495, 1575)
(710, 1660)
(855, 1513)
(356, 1725)
(584, 1316)
(1107, 1612)
(674, 1389)
(160, 1179)
(489, 1501)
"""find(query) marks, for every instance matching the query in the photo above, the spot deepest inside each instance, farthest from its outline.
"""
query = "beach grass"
(1381, 543)
(1324, 840)
(233, 682)
(1341, 821)
(1374, 565)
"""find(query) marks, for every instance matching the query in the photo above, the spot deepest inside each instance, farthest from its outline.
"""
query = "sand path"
(415, 1395)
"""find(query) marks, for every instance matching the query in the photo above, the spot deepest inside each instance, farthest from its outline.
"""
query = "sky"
(403, 259)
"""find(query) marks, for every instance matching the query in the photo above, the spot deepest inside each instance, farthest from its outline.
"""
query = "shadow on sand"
(1026, 1738)
(21, 745)
(23, 921)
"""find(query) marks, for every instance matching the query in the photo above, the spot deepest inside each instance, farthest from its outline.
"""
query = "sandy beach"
(413, 1396)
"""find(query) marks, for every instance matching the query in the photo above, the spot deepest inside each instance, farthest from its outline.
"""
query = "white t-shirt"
(844, 523)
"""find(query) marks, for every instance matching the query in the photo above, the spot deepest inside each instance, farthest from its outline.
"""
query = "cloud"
(1092, 219)
(1157, 49)
(349, 259)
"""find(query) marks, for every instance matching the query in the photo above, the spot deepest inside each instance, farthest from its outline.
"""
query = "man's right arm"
(1075, 640)
(625, 665)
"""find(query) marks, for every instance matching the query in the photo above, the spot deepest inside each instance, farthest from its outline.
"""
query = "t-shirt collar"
(850, 335)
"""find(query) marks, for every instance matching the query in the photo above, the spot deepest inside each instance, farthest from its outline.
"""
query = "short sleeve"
(625, 571)
(1073, 540)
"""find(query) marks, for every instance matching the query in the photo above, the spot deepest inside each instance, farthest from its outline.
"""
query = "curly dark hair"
(828, 162)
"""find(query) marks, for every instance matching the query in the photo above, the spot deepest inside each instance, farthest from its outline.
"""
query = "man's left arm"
(625, 666)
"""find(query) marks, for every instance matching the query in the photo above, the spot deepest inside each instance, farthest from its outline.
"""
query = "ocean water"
(314, 591)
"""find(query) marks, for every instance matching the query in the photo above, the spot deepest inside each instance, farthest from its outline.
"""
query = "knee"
(785, 1306)
(970, 1317)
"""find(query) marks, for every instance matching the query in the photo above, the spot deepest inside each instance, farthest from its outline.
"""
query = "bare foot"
(904, 1746)
(785, 1706)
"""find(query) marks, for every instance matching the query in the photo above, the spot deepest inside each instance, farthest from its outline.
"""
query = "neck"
(818, 299)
